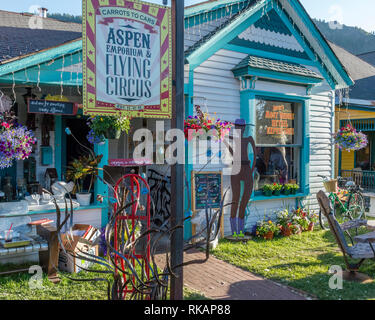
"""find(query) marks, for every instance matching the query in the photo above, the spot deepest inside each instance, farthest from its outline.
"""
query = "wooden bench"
(358, 251)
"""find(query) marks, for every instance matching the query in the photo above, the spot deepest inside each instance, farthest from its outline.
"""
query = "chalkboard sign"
(52, 107)
(206, 189)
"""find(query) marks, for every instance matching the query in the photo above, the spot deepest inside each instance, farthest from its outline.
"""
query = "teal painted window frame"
(248, 100)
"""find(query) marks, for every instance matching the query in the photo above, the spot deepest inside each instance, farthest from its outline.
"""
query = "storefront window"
(278, 141)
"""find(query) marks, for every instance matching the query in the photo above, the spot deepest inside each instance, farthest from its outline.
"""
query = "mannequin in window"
(247, 168)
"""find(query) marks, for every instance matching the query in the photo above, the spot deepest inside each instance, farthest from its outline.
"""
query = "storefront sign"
(127, 56)
(52, 107)
(129, 162)
(279, 121)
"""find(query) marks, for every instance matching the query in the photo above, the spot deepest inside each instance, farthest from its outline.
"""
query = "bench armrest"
(352, 224)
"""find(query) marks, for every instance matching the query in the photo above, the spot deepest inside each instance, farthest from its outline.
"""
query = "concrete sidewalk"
(219, 280)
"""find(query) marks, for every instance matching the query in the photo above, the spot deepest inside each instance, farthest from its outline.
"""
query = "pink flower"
(5, 125)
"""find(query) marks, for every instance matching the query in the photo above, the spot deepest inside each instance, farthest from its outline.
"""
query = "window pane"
(277, 164)
(277, 122)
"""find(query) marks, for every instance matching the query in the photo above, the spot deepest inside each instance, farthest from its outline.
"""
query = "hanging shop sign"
(52, 107)
(127, 57)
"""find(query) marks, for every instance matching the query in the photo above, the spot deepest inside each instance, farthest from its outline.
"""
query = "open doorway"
(73, 149)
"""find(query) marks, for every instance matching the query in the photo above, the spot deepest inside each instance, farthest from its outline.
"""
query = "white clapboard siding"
(321, 129)
(214, 81)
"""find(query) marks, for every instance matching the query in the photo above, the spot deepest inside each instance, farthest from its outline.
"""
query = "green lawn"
(300, 261)
(16, 287)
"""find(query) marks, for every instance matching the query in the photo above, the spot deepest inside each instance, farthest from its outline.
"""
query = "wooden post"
(177, 172)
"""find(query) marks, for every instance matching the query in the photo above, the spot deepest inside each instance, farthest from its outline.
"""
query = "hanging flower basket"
(204, 126)
(107, 127)
(348, 138)
(16, 143)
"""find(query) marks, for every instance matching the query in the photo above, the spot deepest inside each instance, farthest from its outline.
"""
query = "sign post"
(177, 172)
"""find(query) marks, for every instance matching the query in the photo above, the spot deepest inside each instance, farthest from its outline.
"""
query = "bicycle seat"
(350, 184)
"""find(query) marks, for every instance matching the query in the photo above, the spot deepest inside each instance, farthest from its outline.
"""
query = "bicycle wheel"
(356, 206)
(323, 221)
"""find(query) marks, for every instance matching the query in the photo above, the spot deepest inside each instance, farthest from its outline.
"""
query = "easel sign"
(207, 191)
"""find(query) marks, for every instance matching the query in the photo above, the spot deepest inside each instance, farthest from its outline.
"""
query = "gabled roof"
(356, 67)
(295, 14)
(18, 39)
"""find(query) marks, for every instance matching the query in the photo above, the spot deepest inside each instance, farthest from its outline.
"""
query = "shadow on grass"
(320, 284)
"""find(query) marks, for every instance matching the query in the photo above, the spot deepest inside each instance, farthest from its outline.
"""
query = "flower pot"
(293, 191)
(112, 133)
(268, 235)
(83, 199)
(311, 226)
(277, 192)
(267, 193)
(286, 192)
(286, 232)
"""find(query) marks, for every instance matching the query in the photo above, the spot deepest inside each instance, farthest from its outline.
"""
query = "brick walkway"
(219, 280)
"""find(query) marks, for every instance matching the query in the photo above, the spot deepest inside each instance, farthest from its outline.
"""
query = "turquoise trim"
(48, 73)
(276, 75)
(267, 54)
(222, 37)
(281, 197)
(41, 57)
(307, 49)
(58, 145)
(305, 151)
(248, 98)
(100, 187)
(189, 111)
(327, 49)
(267, 94)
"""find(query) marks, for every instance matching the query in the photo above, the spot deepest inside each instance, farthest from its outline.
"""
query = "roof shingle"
(18, 39)
(277, 66)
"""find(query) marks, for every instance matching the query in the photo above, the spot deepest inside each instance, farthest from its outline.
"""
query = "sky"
(352, 13)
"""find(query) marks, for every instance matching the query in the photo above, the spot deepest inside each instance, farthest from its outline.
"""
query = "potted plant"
(313, 217)
(107, 127)
(277, 189)
(294, 188)
(283, 219)
(77, 172)
(267, 190)
(267, 229)
(287, 188)
(301, 217)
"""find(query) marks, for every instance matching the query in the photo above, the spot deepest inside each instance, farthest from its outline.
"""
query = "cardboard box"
(77, 245)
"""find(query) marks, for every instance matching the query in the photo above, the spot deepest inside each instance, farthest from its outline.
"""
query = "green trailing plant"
(82, 167)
